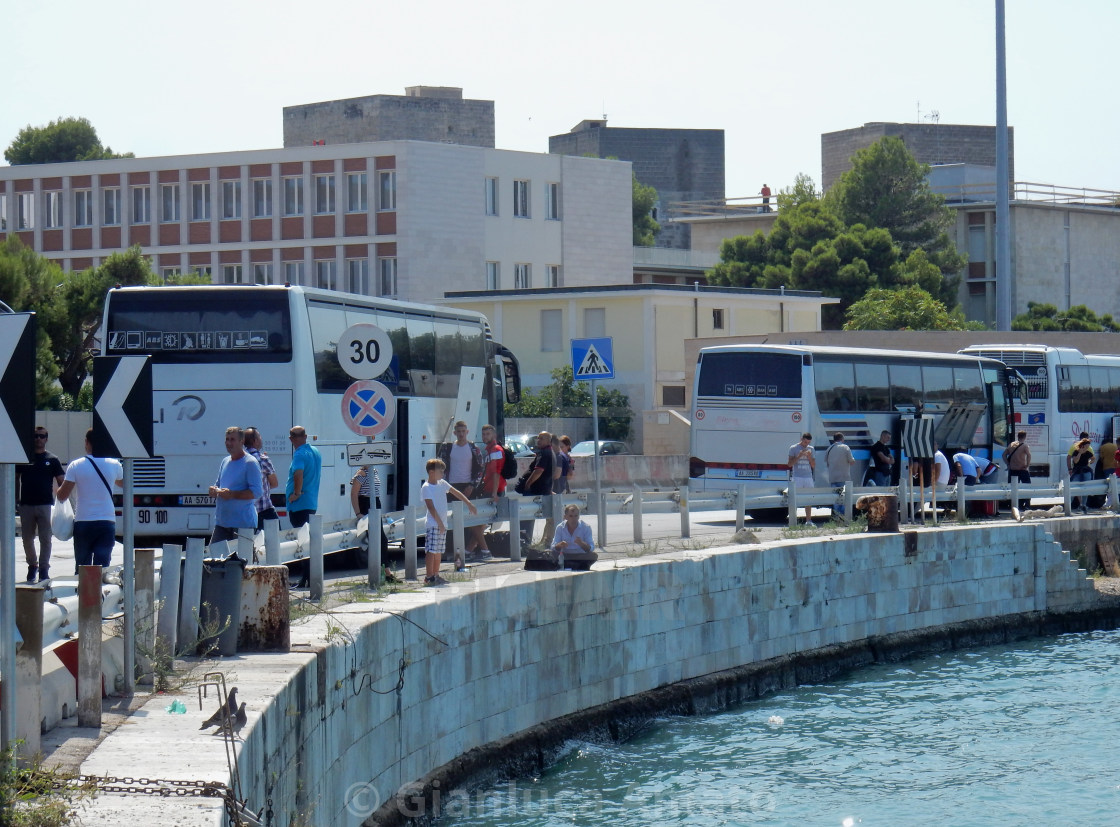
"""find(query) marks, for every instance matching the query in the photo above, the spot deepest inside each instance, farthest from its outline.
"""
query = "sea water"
(1024, 733)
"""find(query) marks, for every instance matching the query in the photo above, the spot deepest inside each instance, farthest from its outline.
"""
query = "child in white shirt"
(434, 493)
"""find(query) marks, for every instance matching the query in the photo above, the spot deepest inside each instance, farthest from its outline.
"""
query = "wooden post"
(145, 621)
(168, 612)
(272, 542)
(89, 646)
(189, 611)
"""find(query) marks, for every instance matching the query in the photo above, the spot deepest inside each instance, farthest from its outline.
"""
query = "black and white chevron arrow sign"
(122, 406)
(17, 385)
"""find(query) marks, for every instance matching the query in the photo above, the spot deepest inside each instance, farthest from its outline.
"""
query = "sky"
(159, 78)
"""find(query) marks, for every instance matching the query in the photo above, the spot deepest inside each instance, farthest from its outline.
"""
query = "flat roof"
(538, 292)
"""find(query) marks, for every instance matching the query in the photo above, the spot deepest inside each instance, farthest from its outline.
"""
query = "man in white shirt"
(465, 466)
(95, 518)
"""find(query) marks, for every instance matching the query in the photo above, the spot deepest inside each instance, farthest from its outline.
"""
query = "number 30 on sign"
(364, 351)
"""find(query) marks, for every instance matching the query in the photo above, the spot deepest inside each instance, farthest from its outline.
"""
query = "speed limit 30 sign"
(364, 351)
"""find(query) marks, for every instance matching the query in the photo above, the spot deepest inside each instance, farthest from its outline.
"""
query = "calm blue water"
(1019, 734)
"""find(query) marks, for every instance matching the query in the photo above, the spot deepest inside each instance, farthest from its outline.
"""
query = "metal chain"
(143, 786)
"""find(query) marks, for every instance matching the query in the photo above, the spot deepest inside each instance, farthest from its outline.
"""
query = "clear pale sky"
(160, 78)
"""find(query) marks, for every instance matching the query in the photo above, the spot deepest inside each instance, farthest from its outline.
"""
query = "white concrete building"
(409, 219)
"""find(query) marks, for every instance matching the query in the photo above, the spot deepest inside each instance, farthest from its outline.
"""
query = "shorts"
(300, 518)
(803, 482)
(435, 541)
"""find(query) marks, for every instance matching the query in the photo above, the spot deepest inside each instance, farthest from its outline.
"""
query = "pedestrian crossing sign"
(593, 358)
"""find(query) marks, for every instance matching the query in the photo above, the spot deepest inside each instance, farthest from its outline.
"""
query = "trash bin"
(881, 510)
(219, 611)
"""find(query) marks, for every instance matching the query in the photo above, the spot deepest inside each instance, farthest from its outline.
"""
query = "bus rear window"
(766, 375)
(190, 326)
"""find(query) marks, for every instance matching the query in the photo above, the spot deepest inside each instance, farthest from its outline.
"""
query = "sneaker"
(32, 571)
(485, 555)
(44, 575)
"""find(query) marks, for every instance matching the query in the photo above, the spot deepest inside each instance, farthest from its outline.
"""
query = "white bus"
(1068, 393)
(752, 402)
(265, 356)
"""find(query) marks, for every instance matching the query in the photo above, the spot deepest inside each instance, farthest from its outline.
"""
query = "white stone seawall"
(515, 652)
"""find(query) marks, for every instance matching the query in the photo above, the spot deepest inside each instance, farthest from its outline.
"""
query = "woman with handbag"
(95, 520)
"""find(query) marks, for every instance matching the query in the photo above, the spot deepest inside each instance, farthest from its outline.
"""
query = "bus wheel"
(768, 515)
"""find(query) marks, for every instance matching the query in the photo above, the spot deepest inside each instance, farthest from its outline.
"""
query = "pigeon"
(234, 726)
(226, 710)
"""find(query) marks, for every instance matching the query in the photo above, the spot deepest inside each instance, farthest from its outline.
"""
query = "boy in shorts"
(434, 493)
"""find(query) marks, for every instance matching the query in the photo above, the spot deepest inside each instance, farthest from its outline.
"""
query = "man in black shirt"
(879, 473)
(539, 482)
(35, 486)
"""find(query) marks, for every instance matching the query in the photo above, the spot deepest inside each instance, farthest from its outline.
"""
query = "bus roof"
(318, 294)
(853, 352)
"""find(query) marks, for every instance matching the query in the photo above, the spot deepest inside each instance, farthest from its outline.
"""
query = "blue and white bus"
(1067, 393)
(752, 402)
(265, 356)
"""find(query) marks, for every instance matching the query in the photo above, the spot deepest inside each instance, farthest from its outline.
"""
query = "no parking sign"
(368, 407)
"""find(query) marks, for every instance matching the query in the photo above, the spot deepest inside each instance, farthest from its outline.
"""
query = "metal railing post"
(1015, 491)
(741, 507)
(962, 509)
(373, 544)
(1067, 497)
(514, 504)
(458, 535)
(686, 523)
(636, 502)
(315, 560)
(601, 507)
(791, 498)
(408, 525)
(849, 499)
(1112, 493)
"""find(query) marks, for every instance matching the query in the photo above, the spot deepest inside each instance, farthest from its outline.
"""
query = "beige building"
(649, 324)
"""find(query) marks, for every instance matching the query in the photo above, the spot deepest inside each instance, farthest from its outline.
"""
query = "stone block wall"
(929, 143)
(389, 701)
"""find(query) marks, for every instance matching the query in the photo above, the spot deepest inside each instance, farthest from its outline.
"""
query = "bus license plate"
(196, 499)
(750, 473)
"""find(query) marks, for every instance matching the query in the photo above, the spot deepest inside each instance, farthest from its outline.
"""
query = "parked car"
(607, 447)
(519, 447)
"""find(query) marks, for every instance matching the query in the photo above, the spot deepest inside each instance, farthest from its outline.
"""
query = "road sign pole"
(7, 606)
(602, 521)
(128, 581)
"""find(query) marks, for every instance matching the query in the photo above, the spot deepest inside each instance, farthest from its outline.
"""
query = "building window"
(324, 194)
(232, 274)
(206, 271)
(52, 215)
(387, 276)
(594, 322)
(326, 274)
(293, 196)
(717, 319)
(552, 202)
(262, 274)
(293, 272)
(552, 275)
(111, 214)
(356, 197)
(169, 273)
(141, 205)
(387, 190)
(262, 197)
(357, 276)
(551, 332)
(169, 195)
(493, 275)
(231, 199)
(3, 211)
(491, 196)
(522, 276)
(521, 199)
(83, 208)
(25, 211)
(672, 396)
(200, 202)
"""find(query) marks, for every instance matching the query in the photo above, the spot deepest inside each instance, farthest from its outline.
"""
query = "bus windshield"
(190, 326)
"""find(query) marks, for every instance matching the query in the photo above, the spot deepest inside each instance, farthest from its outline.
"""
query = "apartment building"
(406, 219)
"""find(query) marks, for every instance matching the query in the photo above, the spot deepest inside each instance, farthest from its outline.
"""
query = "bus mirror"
(513, 381)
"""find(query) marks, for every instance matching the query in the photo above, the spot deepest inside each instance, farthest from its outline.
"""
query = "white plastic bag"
(62, 520)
